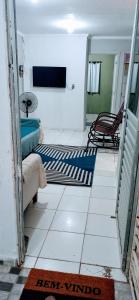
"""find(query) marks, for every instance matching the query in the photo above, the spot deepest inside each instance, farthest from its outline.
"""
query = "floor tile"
(4, 295)
(14, 270)
(106, 156)
(63, 246)
(36, 240)
(57, 265)
(73, 203)
(29, 262)
(118, 275)
(69, 221)
(21, 280)
(53, 189)
(77, 191)
(105, 173)
(101, 225)
(104, 180)
(102, 206)
(103, 192)
(10, 278)
(38, 218)
(106, 164)
(4, 268)
(25, 271)
(5, 286)
(101, 251)
(122, 291)
(13, 297)
(98, 271)
(17, 289)
(49, 201)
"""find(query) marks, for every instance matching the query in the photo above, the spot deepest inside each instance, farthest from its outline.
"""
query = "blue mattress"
(30, 134)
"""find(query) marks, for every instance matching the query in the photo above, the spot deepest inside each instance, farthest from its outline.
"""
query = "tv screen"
(49, 77)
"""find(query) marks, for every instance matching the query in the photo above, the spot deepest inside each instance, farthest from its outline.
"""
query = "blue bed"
(30, 134)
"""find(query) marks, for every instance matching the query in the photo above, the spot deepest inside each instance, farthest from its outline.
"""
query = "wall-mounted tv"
(54, 77)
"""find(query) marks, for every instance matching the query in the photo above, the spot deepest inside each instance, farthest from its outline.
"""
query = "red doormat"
(49, 285)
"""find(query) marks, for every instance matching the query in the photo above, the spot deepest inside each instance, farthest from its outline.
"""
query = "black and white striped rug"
(68, 165)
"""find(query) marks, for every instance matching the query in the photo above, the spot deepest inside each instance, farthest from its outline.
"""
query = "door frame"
(10, 17)
(117, 82)
(133, 217)
(131, 220)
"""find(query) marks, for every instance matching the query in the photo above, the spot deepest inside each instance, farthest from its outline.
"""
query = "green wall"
(102, 102)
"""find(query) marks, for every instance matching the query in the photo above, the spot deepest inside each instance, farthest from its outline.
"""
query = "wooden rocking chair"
(103, 131)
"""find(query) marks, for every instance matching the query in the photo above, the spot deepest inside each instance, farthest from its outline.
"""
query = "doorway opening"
(58, 219)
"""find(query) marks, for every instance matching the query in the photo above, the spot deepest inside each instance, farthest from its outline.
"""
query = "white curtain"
(93, 77)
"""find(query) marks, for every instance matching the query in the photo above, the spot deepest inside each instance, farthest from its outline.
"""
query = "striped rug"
(68, 165)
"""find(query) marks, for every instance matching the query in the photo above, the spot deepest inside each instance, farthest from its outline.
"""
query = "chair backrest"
(120, 112)
(119, 117)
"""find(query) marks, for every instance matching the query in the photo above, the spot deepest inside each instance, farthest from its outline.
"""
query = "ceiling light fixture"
(34, 1)
(70, 24)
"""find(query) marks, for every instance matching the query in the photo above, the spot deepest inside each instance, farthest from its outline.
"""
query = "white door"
(129, 149)
(117, 82)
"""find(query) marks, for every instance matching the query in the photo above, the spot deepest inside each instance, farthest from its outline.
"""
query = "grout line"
(96, 197)
(50, 224)
(69, 261)
(113, 186)
(65, 231)
(72, 232)
(77, 196)
(84, 234)
(64, 210)
(60, 260)
(101, 236)
(36, 228)
(110, 216)
(74, 211)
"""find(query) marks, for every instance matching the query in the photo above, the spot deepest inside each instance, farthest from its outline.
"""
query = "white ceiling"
(99, 17)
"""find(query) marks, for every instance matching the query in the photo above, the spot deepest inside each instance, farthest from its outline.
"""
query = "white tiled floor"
(69, 221)
(99, 207)
(54, 265)
(102, 251)
(101, 191)
(73, 229)
(101, 225)
(74, 203)
(63, 246)
(39, 218)
(36, 240)
(102, 272)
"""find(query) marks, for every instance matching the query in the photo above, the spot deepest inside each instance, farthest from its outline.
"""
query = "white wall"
(58, 108)
(8, 227)
(110, 45)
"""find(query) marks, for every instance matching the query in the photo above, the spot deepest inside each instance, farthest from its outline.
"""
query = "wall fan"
(28, 102)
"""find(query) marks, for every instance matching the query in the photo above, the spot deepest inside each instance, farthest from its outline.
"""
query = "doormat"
(68, 165)
(50, 285)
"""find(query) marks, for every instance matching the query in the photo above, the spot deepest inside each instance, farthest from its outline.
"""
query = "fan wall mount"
(28, 102)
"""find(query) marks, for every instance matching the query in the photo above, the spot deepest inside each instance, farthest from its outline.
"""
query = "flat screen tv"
(54, 77)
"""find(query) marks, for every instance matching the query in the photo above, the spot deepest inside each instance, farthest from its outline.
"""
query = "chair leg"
(88, 142)
(103, 141)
